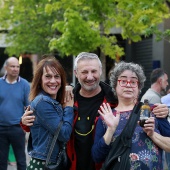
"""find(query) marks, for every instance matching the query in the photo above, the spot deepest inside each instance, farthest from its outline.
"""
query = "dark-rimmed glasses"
(133, 83)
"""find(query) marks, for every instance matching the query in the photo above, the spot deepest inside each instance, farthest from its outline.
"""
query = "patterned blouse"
(145, 155)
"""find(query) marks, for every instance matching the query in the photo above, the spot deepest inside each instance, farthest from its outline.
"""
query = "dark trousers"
(15, 136)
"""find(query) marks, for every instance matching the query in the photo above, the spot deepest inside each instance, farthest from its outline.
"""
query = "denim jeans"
(15, 136)
(167, 157)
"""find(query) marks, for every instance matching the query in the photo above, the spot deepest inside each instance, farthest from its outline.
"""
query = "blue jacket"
(48, 113)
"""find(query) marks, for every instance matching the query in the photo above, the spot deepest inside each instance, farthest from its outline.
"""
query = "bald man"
(14, 92)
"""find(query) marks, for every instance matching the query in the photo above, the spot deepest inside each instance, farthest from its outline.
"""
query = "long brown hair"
(54, 65)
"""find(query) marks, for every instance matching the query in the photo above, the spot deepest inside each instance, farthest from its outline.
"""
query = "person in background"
(14, 91)
(127, 80)
(159, 83)
(166, 100)
(47, 102)
(89, 94)
(11, 156)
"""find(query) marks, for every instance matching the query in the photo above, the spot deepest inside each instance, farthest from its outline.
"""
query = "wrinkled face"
(164, 82)
(127, 86)
(51, 82)
(88, 74)
(13, 68)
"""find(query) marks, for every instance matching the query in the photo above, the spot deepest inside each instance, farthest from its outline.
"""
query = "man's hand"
(69, 93)
(160, 110)
(27, 118)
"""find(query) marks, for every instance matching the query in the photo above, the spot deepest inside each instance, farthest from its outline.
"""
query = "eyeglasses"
(133, 83)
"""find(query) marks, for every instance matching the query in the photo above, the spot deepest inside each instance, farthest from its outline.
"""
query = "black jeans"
(15, 136)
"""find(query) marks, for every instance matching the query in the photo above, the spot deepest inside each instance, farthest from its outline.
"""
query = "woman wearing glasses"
(127, 80)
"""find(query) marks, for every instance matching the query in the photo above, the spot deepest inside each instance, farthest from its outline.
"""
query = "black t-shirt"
(84, 129)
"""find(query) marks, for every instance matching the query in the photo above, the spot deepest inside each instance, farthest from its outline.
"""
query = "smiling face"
(51, 81)
(127, 92)
(88, 74)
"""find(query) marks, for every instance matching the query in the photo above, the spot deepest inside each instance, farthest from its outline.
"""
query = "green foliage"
(136, 17)
(28, 25)
(76, 35)
(73, 26)
(86, 24)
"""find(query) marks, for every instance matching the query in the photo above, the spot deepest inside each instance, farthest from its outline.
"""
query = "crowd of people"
(93, 114)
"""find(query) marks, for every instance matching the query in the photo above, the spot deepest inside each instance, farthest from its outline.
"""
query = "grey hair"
(85, 55)
(121, 67)
(7, 60)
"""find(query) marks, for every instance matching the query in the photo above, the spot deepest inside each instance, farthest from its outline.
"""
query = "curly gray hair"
(121, 67)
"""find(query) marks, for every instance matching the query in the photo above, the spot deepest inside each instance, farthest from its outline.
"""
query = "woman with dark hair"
(47, 102)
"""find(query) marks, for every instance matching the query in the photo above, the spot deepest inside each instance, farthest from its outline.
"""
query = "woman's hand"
(110, 119)
(149, 126)
(27, 118)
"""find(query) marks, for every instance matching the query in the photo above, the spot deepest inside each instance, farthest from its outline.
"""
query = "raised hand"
(110, 119)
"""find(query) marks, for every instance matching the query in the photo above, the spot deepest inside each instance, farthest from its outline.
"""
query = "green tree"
(86, 25)
(29, 27)
(73, 26)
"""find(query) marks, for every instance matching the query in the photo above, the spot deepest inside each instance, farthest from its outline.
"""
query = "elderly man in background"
(14, 92)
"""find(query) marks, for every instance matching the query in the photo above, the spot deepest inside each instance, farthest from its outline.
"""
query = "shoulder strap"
(53, 142)
(131, 124)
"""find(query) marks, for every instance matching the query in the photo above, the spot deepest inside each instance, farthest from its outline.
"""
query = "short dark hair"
(156, 74)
